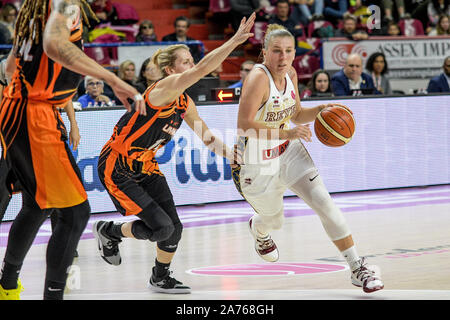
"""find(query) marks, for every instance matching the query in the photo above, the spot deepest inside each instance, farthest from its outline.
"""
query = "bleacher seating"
(305, 65)
(210, 24)
(411, 27)
(216, 6)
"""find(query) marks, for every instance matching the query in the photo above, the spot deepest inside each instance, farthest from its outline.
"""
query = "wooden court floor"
(405, 232)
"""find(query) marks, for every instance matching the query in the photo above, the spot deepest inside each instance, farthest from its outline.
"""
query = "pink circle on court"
(267, 269)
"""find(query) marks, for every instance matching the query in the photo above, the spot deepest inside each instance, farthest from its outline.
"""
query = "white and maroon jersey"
(275, 113)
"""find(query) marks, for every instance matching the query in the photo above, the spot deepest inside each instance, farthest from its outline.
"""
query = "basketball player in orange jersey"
(130, 173)
(275, 159)
(47, 62)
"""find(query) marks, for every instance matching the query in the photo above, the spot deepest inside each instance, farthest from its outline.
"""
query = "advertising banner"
(398, 142)
(406, 58)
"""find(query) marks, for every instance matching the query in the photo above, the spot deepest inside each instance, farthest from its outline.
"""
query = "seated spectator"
(181, 25)
(349, 30)
(246, 67)
(127, 72)
(393, 29)
(242, 8)
(442, 27)
(282, 18)
(377, 67)
(305, 11)
(388, 6)
(107, 91)
(359, 9)
(94, 96)
(148, 75)
(319, 85)
(351, 81)
(435, 9)
(8, 15)
(146, 32)
(441, 83)
(335, 9)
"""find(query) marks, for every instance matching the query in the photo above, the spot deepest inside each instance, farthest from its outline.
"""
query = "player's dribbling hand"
(243, 33)
(299, 132)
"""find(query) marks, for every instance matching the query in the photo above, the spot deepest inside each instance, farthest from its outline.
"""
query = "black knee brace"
(142, 232)
(171, 244)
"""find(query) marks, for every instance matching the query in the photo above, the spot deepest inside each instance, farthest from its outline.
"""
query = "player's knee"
(81, 214)
(162, 233)
(142, 232)
(171, 244)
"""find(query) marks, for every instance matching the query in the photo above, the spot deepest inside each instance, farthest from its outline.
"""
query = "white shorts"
(264, 186)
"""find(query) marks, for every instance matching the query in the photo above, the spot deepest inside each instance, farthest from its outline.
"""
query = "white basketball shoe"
(367, 277)
(265, 247)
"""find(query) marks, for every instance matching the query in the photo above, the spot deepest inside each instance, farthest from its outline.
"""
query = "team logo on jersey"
(276, 102)
(293, 94)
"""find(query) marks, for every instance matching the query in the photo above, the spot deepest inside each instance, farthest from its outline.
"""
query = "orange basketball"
(334, 126)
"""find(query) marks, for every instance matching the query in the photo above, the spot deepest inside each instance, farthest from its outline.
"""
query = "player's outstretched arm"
(64, 15)
(174, 85)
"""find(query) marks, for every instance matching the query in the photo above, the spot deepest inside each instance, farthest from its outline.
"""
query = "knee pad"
(330, 215)
(163, 233)
(171, 244)
(316, 195)
(142, 232)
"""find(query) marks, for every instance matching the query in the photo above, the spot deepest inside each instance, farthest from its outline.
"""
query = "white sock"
(351, 256)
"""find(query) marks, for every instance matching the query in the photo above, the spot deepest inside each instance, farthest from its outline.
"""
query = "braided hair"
(32, 17)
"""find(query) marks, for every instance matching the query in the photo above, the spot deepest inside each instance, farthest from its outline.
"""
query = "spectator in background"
(351, 80)
(319, 85)
(146, 32)
(282, 18)
(393, 29)
(442, 27)
(437, 8)
(350, 31)
(127, 72)
(242, 8)
(94, 96)
(181, 26)
(389, 4)
(306, 11)
(441, 83)
(335, 9)
(377, 67)
(246, 67)
(148, 75)
(8, 15)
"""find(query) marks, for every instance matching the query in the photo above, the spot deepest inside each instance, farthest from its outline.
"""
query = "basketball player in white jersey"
(275, 159)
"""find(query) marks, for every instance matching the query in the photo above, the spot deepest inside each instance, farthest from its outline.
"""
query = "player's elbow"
(50, 47)
(244, 126)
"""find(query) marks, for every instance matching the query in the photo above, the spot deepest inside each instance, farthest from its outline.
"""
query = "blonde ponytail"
(275, 30)
(166, 57)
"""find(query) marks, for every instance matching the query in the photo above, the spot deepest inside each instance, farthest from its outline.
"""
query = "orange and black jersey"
(139, 137)
(39, 78)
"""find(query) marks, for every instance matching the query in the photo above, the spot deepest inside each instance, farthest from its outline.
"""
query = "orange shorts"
(33, 139)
